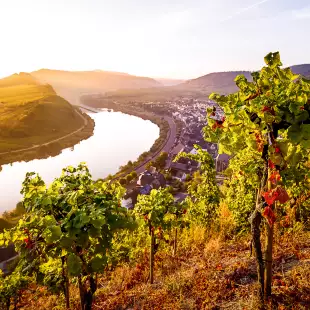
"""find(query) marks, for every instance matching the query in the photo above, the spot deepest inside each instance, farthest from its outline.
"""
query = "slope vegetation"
(32, 113)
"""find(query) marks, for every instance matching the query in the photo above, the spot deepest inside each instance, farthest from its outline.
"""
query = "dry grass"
(207, 273)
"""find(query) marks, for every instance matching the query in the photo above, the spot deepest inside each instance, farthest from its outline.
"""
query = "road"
(172, 134)
(52, 141)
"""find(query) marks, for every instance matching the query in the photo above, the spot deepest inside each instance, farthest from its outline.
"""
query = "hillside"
(32, 113)
(223, 82)
(72, 84)
(302, 69)
(18, 79)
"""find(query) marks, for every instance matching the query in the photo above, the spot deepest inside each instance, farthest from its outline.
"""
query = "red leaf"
(277, 149)
(268, 109)
(269, 215)
(275, 177)
(219, 267)
(283, 196)
(271, 164)
(270, 197)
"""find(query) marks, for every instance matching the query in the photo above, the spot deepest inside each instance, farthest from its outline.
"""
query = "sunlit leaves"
(155, 208)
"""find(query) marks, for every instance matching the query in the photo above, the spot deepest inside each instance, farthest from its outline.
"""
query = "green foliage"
(134, 175)
(10, 288)
(269, 119)
(266, 122)
(75, 218)
(154, 209)
(204, 194)
(122, 181)
(129, 178)
(240, 198)
(160, 161)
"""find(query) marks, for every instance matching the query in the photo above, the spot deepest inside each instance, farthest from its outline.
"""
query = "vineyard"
(241, 245)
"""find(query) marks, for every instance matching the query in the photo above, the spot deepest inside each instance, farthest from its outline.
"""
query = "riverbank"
(165, 141)
(54, 146)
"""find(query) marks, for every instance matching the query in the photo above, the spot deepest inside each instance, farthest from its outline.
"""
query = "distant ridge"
(71, 85)
(94, 80)
(223, 82)
(16, 79)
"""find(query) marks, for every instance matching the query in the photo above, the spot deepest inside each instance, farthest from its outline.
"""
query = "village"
(176, 173)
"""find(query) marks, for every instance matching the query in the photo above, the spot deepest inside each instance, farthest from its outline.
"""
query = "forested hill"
(32, 113)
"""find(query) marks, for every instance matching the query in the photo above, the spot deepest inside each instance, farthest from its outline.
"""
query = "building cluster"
(192, 113)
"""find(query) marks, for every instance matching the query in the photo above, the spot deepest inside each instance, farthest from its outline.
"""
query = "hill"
(302, 69)
(169, 82)
(18, 79)
(223, 82)
(32, 113)
(72, 84)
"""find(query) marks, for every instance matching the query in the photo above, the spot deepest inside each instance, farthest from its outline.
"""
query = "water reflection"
(117, 139)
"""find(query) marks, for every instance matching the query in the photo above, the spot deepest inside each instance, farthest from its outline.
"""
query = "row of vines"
(75, 229)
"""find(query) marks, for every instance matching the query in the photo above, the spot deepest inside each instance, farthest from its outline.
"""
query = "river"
(117, 139)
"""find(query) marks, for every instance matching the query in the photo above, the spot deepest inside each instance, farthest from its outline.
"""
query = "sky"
(162, 38)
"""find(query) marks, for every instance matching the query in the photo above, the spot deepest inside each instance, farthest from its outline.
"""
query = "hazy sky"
(161, 38)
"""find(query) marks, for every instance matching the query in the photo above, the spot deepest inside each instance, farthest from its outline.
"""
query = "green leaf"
(294, 133)
(74, 265)
(49, 220)
(273, 60)
(52, 234)
(46, 201)
(294, 107)
(66, 242)
(98, 263)
(98, 222)
(305, 130)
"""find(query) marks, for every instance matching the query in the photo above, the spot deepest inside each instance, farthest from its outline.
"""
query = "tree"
(128, 178)
(134, 175)
(149, 165)
(160, 161)
(268, 117)
(73, 222)
(122, 181)
(155, 210)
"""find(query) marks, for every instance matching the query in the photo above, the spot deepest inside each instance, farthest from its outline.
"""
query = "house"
(180, 170)
(146, 182)
(177, 149)
(145, 178)
(154, 178)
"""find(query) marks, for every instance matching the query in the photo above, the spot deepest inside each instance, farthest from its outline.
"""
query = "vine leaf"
(269, 215)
